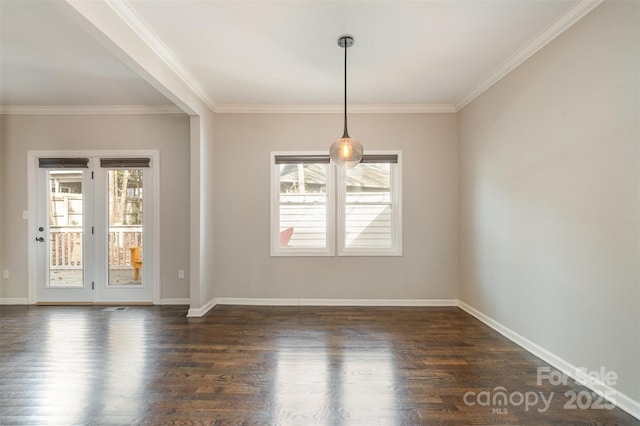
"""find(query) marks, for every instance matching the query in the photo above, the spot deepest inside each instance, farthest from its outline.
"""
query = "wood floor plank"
(269, 365)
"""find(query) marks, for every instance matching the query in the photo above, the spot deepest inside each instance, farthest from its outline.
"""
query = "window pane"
(369, 183)
(303, 205)
(125, 227)
(368, 208)
(65, 228)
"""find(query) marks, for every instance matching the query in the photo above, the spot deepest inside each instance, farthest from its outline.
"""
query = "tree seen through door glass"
(125, 195)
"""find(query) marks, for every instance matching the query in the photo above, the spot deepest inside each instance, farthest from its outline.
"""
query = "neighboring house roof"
(371, 176)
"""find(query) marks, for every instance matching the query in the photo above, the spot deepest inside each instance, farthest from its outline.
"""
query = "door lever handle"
(40, 239)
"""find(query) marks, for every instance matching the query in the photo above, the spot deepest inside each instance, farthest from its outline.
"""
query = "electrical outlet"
(5, 273)
(180, 273)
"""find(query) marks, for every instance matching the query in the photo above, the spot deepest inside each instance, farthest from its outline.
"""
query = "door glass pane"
(368, 206)
(65, 228)
(125, 192)
(303, 205)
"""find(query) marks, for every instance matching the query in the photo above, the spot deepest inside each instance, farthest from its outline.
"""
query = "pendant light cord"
(346, 133)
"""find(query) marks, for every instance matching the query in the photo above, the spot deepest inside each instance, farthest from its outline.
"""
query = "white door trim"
(32, 159)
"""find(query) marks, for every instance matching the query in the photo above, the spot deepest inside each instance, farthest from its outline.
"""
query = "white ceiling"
(280, 52)
(47, 60)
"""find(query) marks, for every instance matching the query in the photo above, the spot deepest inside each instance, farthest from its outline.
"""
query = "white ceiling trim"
(336, 109)
(90, 110)
(564, 22)
(560, 25)
(131, 18)
(107, 26)
(234, 109)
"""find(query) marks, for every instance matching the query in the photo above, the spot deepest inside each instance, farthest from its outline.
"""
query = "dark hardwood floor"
(270, 365)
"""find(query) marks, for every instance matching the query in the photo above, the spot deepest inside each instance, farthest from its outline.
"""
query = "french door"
(93, 238)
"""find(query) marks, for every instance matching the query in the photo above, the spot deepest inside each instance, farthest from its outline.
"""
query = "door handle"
(40, 239)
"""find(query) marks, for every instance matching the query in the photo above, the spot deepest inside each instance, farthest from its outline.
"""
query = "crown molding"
(560, 25)
(133, 20)
(336, 109)
(90, 110)
(137, 24)
(232, 109)
(130, 17)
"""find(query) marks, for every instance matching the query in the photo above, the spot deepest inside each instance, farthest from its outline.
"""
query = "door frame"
(32, 203)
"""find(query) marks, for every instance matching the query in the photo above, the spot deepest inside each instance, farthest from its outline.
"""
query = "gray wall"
(429, 265)
(550, 197)
(167, 133)
(2, 201)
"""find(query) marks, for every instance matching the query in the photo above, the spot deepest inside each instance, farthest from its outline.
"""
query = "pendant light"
(346, 152)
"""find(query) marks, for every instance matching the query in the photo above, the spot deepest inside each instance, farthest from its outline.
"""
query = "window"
(302, 205)
(320, 210)
(369, 207)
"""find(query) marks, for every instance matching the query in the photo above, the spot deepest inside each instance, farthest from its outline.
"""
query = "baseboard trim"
(108, 303)
(334, 302)
(25, 301)
(178, 301)
(200, 312)
(14, 301)
(621, 400)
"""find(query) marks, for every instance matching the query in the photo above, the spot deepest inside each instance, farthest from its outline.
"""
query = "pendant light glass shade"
(346, 152)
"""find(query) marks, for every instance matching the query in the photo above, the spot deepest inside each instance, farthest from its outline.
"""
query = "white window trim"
(396, 214)
(336, 209)
(276, 250)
